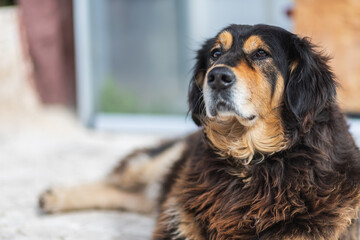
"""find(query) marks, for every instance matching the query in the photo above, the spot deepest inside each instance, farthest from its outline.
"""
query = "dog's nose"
(221, 78)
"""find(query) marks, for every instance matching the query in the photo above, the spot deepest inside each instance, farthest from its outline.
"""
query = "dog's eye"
(215, 54)
(260, 54)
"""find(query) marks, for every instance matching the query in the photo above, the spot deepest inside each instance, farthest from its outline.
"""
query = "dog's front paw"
(50, 201)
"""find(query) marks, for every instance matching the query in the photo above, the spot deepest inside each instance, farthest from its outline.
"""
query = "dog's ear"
(310, 86)
(195, 93)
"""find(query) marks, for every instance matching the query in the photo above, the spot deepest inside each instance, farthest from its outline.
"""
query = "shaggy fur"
(282, 166)
(305, 186)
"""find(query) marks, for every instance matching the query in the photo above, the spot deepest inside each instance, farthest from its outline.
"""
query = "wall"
(335, 26)
(48, 27)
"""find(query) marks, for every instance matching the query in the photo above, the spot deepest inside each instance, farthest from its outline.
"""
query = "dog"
(273, 158)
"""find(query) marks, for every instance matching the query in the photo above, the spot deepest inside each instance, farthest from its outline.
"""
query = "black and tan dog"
(273, 159)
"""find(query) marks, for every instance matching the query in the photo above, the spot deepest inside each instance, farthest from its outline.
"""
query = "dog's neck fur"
(230, 138)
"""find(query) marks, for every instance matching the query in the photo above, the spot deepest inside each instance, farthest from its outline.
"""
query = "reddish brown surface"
(335, 25)
(49, 32)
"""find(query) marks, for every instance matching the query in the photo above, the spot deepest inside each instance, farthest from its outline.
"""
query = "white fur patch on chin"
(226, 114)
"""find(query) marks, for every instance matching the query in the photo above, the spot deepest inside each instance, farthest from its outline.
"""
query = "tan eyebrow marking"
(224, 40)
(254, 42)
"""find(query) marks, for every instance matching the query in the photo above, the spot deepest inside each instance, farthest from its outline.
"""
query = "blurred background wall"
(49, 32)
(134, 57)
(335, 26)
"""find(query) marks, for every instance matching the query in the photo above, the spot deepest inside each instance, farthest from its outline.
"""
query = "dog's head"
(253, 85)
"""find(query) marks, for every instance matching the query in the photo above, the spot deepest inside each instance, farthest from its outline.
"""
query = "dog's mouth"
(224, 109)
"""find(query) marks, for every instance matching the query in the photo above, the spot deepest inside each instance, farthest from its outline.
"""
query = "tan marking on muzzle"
(254, 82)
